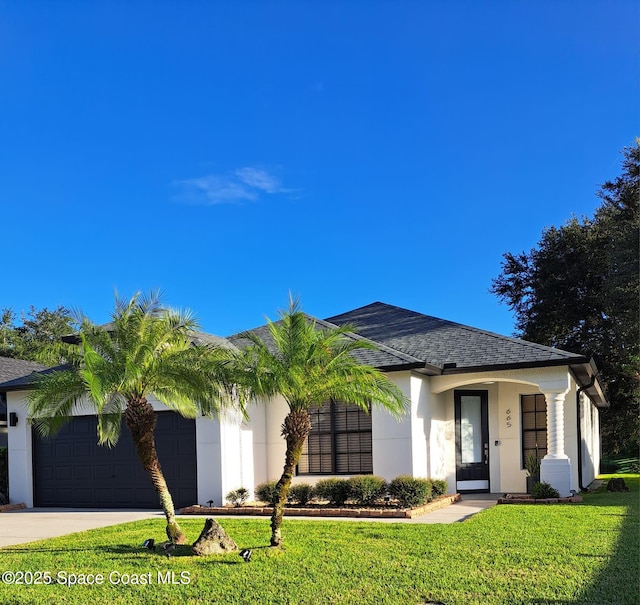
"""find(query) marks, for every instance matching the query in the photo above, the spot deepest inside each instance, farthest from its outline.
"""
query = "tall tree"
(579, 290)
(147, 349)
(38, 337)
(307, 365)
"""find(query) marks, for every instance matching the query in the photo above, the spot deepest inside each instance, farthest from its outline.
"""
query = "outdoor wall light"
(13, 419)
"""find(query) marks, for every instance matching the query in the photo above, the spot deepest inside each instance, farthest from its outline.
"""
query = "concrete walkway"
(28, 525)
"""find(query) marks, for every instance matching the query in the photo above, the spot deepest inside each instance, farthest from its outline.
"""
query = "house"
(479, 404)
(9, 369)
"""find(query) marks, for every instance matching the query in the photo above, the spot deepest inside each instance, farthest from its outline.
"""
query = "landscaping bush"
(335, 490)
(439, 487)
(411, 491)
(301, 493)
(366, 489)
(238, 497)
(266, 492)
(543, 490)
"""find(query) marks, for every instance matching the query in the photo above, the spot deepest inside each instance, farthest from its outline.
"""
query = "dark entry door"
(472, 441)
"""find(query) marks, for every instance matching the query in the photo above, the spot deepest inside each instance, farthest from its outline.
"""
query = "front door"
(472, 441)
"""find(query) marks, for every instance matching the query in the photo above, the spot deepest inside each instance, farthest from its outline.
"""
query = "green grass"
(512, 554)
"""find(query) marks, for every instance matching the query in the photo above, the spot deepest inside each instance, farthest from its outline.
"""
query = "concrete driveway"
(28, 525)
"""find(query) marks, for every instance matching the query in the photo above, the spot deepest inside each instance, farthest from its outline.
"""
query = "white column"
(555, 467)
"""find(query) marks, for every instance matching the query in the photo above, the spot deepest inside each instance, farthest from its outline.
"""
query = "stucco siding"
(392, 446)
(589, 424)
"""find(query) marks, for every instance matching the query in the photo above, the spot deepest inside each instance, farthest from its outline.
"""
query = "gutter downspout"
(578, 393)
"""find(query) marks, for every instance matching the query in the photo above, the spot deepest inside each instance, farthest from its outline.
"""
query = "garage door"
(71, 469)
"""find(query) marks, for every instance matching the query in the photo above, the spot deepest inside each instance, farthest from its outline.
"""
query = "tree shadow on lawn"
(181, 550)
(618, 582)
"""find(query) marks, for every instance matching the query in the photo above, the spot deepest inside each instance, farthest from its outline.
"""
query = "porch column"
(555, 467)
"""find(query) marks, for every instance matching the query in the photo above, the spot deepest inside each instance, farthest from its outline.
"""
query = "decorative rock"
(617, 484)
(213, 540)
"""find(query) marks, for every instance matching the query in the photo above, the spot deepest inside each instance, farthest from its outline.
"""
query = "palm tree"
(308, 364)
(146, 349)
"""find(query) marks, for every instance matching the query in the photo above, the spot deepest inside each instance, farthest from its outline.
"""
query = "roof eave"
(401, 367)
(514, 365)
(587, 376)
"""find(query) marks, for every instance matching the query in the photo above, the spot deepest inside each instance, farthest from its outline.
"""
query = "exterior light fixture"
(13, 419)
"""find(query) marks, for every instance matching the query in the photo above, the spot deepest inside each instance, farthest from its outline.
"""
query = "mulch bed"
(6, 507)
(321, 510)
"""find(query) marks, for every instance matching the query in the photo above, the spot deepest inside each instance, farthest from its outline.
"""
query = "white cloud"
(259, 179)
(245, 184)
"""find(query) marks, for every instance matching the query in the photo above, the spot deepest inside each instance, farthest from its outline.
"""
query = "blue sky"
(231, 152)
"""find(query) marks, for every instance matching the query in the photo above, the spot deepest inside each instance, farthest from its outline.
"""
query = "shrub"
(301, 493)
(410, 491)
(439, 487)
(366, 489)
(532, 464)
(335, 490)
(266, 492)
(543, 490)
(238, 497)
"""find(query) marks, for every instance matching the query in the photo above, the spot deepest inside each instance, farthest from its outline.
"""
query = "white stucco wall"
(392, 447)
(589, 423)
(257, 426)
(224, 449)
(234, 453)
(422, 443)
(20, 452)
(441, 436)
(420, 418)
(505, 389)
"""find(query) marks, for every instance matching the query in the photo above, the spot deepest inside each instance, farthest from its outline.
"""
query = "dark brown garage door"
(71, 469)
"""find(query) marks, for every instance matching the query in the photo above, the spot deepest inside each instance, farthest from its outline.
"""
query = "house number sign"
(508, 418)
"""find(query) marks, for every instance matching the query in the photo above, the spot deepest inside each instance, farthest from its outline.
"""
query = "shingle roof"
(21, 380)
(11, 369)
(198, 338)
(202, 338)
(438, 341)
(382, 357)
(24, 382)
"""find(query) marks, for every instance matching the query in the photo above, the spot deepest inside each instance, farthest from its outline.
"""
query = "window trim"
(542, 450)
(334, 433)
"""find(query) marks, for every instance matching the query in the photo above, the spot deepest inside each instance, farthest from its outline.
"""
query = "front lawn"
(586, 553)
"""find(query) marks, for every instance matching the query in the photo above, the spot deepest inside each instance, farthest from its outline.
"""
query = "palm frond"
(146, 350)
(52, 401)
(308, 364)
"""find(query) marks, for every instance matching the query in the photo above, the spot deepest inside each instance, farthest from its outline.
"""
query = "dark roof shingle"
(438, 341)
(381, 357)
(11, 369)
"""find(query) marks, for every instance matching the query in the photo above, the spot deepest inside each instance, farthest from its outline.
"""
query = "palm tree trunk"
(141, 421)
(295, 430)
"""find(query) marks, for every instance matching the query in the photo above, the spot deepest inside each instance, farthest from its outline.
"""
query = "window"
(339, 442)
(534, 425)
